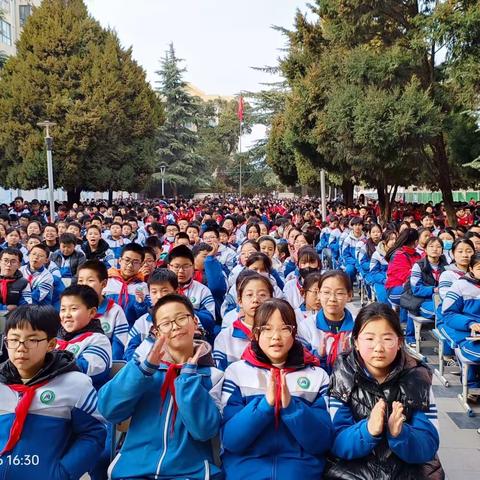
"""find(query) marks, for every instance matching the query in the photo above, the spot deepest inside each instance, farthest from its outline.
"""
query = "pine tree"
(177, 138)
(71, 71)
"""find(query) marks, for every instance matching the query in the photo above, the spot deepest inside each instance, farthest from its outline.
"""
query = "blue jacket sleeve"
(243, 423)
(418, 441)
(299, 416)
(289, 268)
(118, 398)
(453, 312)
(88, 435)
(215, 279)
(419, 289)
(192, 397)
(278, 279)
(206, 319)
(133, 343)
(352, 439)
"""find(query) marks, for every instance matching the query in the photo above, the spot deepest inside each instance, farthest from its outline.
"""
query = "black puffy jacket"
(408, 383)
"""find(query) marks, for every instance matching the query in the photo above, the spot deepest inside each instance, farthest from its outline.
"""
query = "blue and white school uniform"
(260, 441)
(230, 344)
(137, 334)
(66, 408)
(115, 325)
(377, 274)
(93, 354)
(167, 438)
(230, 317)
(292, 292)
(460, 310)
(41, 284)
(116, 246)
(318, 338)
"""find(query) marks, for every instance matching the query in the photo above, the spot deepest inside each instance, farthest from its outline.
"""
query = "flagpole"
(240, 156)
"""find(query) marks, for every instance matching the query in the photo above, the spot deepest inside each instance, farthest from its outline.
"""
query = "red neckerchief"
(198, 276)
(338, 338)
(299, 285)
(110, 304)
(250, 357)
(4, 288)
(182, 289)
(63, 344)
(21, 412)
(123, 296)
(239, 325)
(169, 386)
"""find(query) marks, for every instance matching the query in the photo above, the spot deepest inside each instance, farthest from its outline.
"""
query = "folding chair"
(418, 322)
(463, 397)
(441, 339)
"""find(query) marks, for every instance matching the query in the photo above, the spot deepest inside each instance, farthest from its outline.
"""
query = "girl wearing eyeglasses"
(311, 296)
(275, 422)
(327, 333)
(382, 406)
(171, 396)
(232, 341)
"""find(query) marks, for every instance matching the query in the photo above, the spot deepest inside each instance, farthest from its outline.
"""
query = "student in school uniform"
(382, 406)
(327, 333)
(82, 334)
(38, 276)
(275, 419)
(311, 295)
(126, 285)
(172, 397)
(67, 258)
(461, 317)
(41, 390)
(180, 261)
(14, 287)
(112, 317)
(161, 283)
(232, 341)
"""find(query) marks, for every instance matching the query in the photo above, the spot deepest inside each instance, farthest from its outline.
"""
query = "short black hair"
(42, 318)
(163, 275)
(86, 294)
(201, 247)
(12, 251)
(182, 251)
(97, 266)
(43, 247)
(68, 239)
(172, 298)
(135, 248)
(181, 235)
(211, 229)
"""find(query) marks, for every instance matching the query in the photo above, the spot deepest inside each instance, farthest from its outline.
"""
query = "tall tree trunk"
(347, 190)
(386, 197)
(440, 160)
(73, 196)
(110, 196)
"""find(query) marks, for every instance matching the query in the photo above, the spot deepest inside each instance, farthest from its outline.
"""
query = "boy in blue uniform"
(41, 390)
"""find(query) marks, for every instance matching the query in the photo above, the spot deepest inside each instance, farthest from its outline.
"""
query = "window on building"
(5, 33)
(5, 6)
(24, 13)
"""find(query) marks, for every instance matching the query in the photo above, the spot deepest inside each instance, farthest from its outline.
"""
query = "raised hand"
(475, 328)
(286, 397)
(377, 418)
(157, 352)
(396, 419)
(139, 295)
(194, 360)
(270, 395)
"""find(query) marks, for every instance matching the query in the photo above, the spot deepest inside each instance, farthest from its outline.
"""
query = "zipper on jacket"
(165, 437)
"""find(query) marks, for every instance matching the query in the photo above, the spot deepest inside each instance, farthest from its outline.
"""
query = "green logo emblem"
(106, 327)
(303, 382)
(47, 397)
(193, 300)
(74, 349)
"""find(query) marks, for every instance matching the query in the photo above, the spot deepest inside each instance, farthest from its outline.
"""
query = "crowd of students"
(244, 355)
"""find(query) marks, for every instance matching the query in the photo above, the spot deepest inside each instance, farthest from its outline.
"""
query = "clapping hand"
(396, 419)
(157, 352)
(377, 418)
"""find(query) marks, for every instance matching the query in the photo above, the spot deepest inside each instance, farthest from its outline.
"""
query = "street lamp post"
(163, 167)
(49, 144)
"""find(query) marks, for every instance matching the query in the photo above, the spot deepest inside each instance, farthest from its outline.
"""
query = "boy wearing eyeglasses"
(126, 283)
(41, 390)
(112, 317)
(14, 288)
(81, 333)
(181, 262)
(163, 394)
(38, 276)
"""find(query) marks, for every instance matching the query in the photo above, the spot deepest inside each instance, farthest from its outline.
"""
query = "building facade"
(14, 14)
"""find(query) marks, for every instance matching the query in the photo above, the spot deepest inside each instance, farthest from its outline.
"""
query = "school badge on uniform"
(74, 349)
(106, 327)
(303, 382)
(47, 397)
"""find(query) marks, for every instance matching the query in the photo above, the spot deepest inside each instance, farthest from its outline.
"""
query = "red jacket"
(400, 266)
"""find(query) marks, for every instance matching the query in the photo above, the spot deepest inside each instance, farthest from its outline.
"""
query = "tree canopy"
(71, 71)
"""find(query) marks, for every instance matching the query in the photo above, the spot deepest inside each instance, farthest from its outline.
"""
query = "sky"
(220, 40)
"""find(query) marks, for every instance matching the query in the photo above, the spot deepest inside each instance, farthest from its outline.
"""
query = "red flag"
(240, 109)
